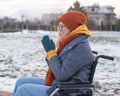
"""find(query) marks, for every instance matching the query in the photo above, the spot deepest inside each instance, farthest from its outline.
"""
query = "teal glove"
(48, 43)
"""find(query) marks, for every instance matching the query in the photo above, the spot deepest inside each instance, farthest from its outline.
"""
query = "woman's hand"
(47, 43)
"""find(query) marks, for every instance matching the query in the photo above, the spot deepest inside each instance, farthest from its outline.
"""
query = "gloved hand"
(48, 43)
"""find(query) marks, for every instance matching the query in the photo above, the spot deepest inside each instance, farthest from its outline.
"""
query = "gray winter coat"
(73, 65)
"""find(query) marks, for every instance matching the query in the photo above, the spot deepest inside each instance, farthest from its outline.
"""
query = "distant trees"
(117, 25)
(8, 24)
(76, 7)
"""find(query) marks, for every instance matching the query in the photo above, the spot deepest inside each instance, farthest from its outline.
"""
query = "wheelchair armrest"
(74, 86)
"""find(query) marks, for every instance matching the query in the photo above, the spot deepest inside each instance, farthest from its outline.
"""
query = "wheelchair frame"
(74, 88)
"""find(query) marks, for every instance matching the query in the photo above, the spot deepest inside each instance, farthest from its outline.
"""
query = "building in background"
(99, 16)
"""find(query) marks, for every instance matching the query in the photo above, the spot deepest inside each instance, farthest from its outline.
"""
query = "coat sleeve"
(76, 58)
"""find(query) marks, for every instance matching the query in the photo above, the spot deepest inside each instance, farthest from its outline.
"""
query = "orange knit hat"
(73, 19)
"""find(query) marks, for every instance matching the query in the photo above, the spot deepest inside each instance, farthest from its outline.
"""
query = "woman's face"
(63, 31)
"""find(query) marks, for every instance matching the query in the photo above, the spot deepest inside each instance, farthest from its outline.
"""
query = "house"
(100, 15)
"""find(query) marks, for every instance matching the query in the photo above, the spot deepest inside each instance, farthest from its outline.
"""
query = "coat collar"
(72, 44)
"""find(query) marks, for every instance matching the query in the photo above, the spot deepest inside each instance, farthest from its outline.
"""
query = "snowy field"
(22, 55)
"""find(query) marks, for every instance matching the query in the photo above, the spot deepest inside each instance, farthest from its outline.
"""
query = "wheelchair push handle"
(102, 56)
(106, 57)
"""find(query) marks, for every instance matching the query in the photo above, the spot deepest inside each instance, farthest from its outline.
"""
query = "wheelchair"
(84, 89)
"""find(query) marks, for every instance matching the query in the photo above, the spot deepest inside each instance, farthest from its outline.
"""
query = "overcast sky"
(34, 8)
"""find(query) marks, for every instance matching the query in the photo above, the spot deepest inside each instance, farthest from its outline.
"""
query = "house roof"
(100, 9)
(104, 9)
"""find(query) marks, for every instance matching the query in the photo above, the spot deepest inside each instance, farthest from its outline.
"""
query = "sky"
(34, 8)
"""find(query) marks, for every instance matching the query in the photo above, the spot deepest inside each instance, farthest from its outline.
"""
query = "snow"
(22, 55)
(104, 9)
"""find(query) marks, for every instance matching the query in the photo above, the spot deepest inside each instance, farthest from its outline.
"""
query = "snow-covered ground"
(22, 55)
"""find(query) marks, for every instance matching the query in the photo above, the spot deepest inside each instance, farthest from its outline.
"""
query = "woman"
(70, 62)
